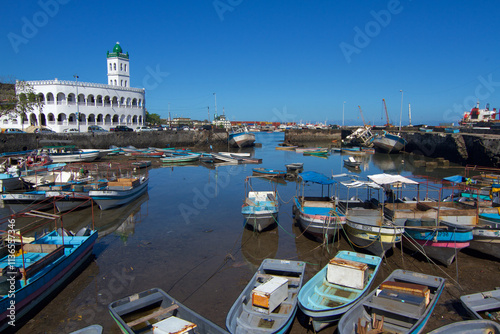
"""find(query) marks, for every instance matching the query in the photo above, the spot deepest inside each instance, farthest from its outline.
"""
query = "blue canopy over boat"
(455, 178)
(316, 178)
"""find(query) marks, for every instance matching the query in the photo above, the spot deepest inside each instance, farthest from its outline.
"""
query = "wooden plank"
(152, 315)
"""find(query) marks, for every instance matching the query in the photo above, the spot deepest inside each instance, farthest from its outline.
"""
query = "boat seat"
(153, 315)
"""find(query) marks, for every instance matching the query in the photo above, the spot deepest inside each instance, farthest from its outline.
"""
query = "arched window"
(107, 119)
(91, 119)
(126, 83)
(121, 83)
(122, 119)
(90, 100)
(110, 82)
(99, 100)
(50, 98)
(114, 102)
(114, 66)
(110, 67)
(115, 119)
(107, 101)
(115, 82)
(50, 117)
(60, 98)
(71, 98)
(40, 97)
(134, 103)
(122, 101)
(125, 67)
(121, 67)
(134, 119)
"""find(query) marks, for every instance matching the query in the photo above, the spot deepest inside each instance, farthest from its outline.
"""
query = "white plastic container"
(347, 273)
(268, 296)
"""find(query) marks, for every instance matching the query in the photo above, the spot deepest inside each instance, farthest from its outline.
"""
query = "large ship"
(476, 116)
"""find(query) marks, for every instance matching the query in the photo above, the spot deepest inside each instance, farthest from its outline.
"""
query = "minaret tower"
(118, 67)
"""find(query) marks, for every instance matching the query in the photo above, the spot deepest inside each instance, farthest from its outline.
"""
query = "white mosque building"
(78, 105)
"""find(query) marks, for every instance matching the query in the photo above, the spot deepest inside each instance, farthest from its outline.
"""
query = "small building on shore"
(74, 104)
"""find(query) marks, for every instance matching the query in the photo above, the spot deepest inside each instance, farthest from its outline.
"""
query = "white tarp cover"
(384, 179)
(361, 184)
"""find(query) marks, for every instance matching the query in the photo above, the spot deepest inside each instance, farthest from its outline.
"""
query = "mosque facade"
(78, 105)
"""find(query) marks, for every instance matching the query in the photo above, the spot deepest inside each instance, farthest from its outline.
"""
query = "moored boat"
(260, 208)
(337, 287)
(439, 241)
(241, 138)
(351, 162)
(318, 216)
(154, 311)
(69, 153)
(483, 305)
(39, 269)
(469, 327)
(403, 303)
(187, 157)
(268, 172)
(388, 142)
(120, 192)
(269, 301)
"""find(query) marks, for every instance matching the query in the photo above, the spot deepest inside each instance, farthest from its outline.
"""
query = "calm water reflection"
(186, 236)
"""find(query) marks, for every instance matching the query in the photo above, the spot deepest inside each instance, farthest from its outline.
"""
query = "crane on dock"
(362, 117)
(388, 124)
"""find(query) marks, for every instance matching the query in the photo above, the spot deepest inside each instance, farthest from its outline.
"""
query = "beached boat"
(41, 267)
(241, 138)
(141, 163)
(187, 157)
(388, 142)
(351, 162)
(75, 196)
(69, 153)
(403, 303)
(483, 305)
(469, 327)
(374, 234)
(486, 236)
(93, 329)
(269, 302)
(440, 242)
(318, 216)
(260, 208)
(268, 172)
(120, 192)
(154, 311)
(366, 227)
(337, 287)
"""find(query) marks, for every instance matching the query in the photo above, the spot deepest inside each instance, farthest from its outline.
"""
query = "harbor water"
(187, 237)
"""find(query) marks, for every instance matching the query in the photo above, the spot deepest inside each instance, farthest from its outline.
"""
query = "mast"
(409, 113)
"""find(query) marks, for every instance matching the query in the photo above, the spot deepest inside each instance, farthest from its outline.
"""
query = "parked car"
(43, 130)
(120, 128)
(95, 128)
(12, 130)
(71, 130)
(143, 129)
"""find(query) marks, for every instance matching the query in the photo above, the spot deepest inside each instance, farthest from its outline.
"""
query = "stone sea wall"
(29, 141)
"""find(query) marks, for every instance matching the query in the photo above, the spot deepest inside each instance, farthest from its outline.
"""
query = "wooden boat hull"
(469, 327)
(326, 302)
(486, 239)
(107, 199)
(322, 223)
(377, 239)
(122, 311)
(241, 318)
(44, 284)
(399, 317)
(86, 156)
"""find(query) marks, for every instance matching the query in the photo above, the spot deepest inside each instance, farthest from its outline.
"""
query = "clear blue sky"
(269, 60)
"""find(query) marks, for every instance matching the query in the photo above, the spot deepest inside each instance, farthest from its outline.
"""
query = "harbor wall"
(29, 141)
(299, 137)
(461, 148)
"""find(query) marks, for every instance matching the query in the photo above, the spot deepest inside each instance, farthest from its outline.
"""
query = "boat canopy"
(316, 177)
(384, 179)
(455, 179)
(361, 184)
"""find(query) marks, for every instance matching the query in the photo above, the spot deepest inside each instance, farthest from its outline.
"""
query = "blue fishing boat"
(337, 287)
(262, 309)
(403, 303)
(268, 172)
(318, 216)
(440, 241)
(483, 305)
(38, 268)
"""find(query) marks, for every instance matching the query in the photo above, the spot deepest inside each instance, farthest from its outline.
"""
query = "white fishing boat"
(389, 143)
(260, 208)
(120, 192)
(241, 138)
(69, 153)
